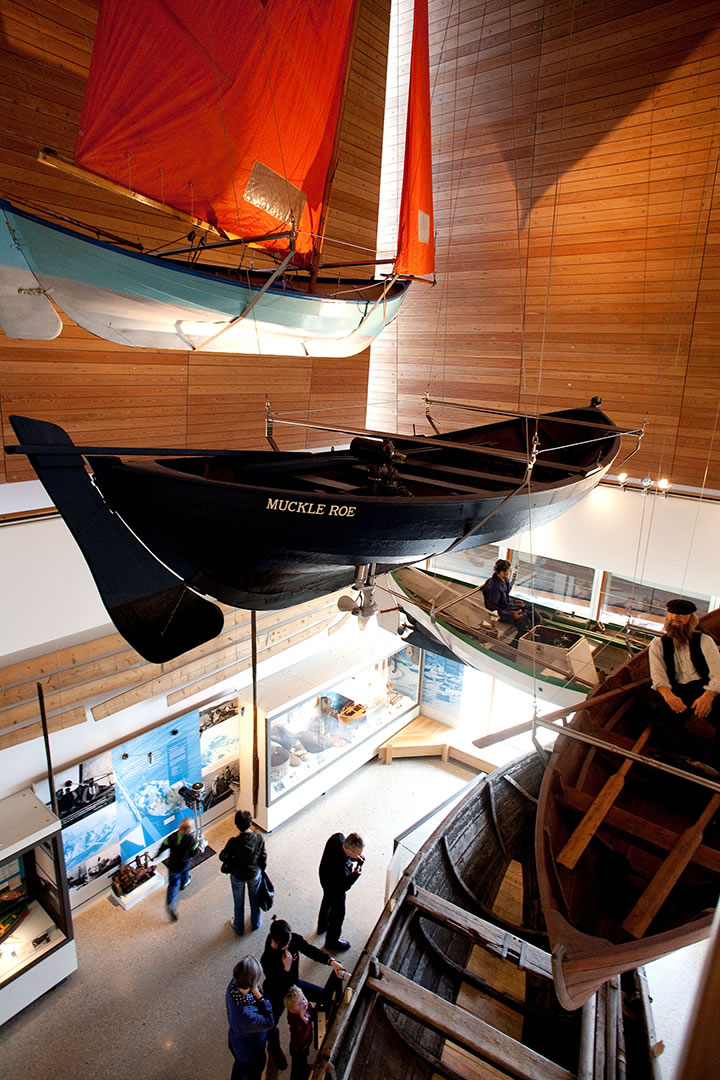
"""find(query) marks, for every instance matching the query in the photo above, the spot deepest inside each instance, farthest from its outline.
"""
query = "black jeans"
(332, 914)
(670, 729)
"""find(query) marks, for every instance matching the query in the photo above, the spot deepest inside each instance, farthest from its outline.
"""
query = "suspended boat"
(560, 660)
(628, 854)
(455, 980)
(271, 529)
(239, 130)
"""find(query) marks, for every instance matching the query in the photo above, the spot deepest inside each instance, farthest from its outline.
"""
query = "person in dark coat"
(685, 674)
(181, 845)
(340, 867)
(281, 964)
(244, 857)
(496, 592)
(250, 1018)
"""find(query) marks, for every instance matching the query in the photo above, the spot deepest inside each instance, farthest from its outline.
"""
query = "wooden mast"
(49, 157)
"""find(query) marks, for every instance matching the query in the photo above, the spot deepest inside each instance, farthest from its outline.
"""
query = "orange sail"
(416, 240)
(225, 109)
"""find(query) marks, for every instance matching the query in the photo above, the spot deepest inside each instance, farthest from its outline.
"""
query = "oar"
(659, 888)
(591, 702)
(597, 812)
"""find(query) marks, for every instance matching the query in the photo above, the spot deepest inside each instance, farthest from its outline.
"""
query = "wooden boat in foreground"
(455, 980)
(628, 853)
(269, 529)
(560, 660)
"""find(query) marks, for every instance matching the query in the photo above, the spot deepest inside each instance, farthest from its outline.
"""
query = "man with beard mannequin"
(685, 673)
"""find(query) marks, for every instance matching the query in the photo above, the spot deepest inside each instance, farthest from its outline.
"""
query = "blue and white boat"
(150, 302)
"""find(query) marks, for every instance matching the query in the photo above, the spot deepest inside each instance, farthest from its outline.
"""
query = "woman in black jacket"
(281, 964)
(244, 858)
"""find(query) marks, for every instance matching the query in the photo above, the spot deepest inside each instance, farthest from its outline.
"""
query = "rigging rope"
(658, 390)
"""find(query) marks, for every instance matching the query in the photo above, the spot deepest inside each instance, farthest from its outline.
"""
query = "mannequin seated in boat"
(496, 591)
(685, 695)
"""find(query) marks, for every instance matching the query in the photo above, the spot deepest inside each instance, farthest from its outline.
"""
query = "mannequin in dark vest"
(685, 674)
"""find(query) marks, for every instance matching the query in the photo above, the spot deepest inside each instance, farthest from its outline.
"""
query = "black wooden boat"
(455, 980)
(268, 529)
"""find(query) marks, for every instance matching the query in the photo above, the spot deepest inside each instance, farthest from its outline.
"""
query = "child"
(300, 1019)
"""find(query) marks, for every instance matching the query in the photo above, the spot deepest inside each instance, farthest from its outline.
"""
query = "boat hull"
(417, 592)
(461, 944)
(146, 302)
(265, 530)
(256, 549)
(587, 906)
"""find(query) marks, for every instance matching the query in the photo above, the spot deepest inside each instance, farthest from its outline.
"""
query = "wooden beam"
(667, 876)
(638, 828)
(593, 819)
(593, 702)
(49, 157)
(34, 731)
(201, 676)
(499, 736)
(482, 932)
(463, 1028)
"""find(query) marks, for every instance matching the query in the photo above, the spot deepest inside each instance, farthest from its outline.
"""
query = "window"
(475, 565)
(648, 603)
(560, 583)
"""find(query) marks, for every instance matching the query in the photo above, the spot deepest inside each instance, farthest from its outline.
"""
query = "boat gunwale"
(576, 947)
(160, 470)
(396, 291)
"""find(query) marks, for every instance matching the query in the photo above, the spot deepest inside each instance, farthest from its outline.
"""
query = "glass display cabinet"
(315, 732)
(37, 949)
(321, 719)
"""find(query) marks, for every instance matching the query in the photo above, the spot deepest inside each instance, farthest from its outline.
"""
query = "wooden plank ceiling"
(577, 211)
(109, 394)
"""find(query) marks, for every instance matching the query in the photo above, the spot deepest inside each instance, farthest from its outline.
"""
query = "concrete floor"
(147, 1000)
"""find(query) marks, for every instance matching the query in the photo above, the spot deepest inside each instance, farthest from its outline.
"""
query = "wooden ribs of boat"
(456, 978)
(629, 868)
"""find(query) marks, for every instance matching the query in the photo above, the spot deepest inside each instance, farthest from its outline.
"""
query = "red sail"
(225, 109)
(416, 240)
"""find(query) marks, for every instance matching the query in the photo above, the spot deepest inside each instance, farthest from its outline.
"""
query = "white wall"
(667, 542)
(48, 594)
(46, 589)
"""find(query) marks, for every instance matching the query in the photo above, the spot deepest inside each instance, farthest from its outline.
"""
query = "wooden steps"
(424, 737)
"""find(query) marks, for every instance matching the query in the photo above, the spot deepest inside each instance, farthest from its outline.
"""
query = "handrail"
(440, 806)
(601, 744)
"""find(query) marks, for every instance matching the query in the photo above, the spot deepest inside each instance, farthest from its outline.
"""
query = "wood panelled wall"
(108, 394)
(577, 210)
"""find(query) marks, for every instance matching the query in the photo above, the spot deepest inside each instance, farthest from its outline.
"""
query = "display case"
(315, 732)
(37, 949)
(321, 719)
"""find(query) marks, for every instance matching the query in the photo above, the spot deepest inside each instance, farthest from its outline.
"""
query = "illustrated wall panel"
(124, 801)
